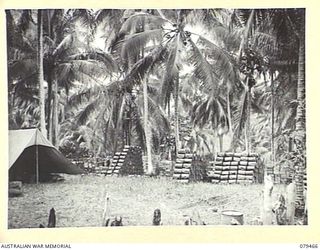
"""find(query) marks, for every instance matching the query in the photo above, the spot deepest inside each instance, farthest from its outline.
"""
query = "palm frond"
(79, 97)
(85, 16)
(99, 56)
(171, 71)
(83, 116)
(202, 69)
(64, 44)
(223, 59)
(141, 20)
(146, 64)
(134, 44)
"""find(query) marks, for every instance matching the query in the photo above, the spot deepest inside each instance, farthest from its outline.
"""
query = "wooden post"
(37, 158)
(291, 198)
(106, 210)
(267, 201)
(37, 164)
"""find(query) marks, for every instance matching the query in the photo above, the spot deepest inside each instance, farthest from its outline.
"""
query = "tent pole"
(37, 158)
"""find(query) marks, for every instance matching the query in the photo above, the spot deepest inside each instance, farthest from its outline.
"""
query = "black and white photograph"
(156, 117)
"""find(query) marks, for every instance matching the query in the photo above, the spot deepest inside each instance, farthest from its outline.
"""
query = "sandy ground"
(79, 201)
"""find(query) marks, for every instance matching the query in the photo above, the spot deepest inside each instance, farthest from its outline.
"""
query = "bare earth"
(79, 201)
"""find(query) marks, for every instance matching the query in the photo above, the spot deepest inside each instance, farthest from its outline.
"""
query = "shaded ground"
(79, 201)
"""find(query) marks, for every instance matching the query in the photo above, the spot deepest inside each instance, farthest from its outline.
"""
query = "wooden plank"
(241, 177)
(241, 167)
(176, 176)
(182, 171)
(218, 168)
(241, 172)
(248, 177)
(185, 160)
(252, 163)
(187, 165)
(180, 156)
(252, 158)
(244, 158)
(251, 167)
(224, 177)
(233, 177)
(248, 172)
(185, 175)
(178, 165)
(234, 167)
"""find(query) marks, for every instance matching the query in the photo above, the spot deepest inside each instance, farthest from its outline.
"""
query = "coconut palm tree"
(40, 74)
(173, 44)
(287, 26)
(66, 59)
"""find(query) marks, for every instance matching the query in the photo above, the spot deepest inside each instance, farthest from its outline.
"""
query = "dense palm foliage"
(234, 80)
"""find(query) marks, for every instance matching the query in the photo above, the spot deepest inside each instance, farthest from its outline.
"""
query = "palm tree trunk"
(55, 113)
(300, 120)
(247, 127)
(229, 113)
(220, 142)
(272, 123)
(49, 106)
(176, 105)
(40, 75)
(169, 113)
(147, 129)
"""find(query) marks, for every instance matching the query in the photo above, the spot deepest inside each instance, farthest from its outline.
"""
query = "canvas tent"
(32, 157)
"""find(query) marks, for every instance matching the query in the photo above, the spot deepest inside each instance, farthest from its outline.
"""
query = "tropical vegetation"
(208, 79)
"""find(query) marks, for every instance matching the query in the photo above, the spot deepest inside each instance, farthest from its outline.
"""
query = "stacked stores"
(183, 166)
(101, 166)
(115, 165)
(127, 162)
(166, 168)
(233, 168)
(247, 166)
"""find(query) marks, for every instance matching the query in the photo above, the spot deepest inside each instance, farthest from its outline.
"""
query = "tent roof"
(21, 139)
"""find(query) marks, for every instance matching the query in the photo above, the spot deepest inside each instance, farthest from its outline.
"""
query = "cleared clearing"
(79, 201)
